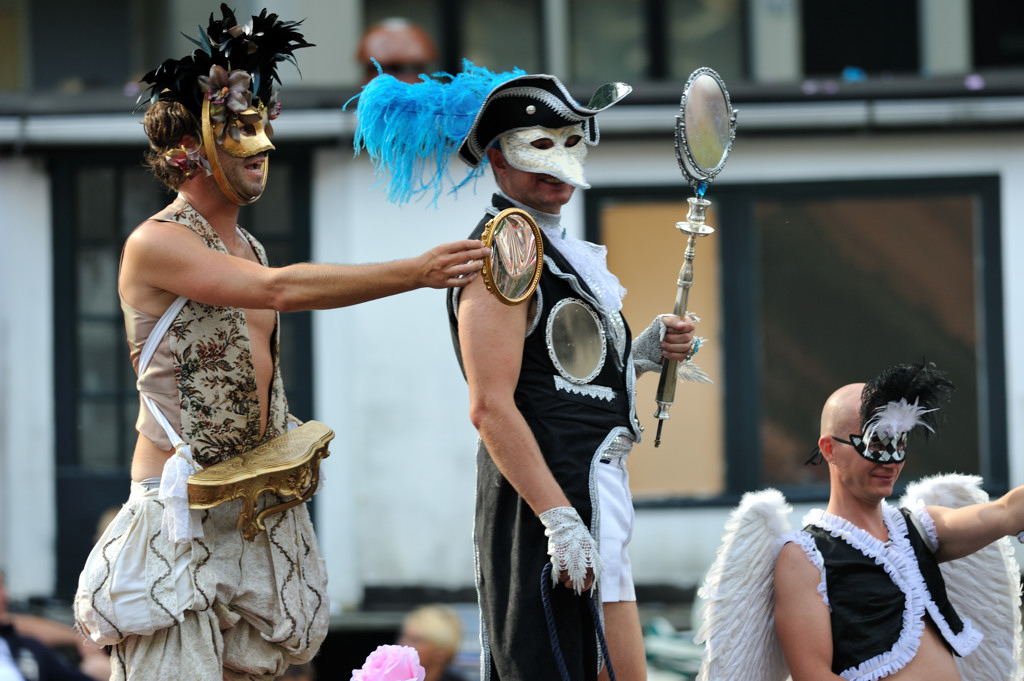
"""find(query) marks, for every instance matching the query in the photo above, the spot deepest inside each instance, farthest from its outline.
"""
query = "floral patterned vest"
(220, 407)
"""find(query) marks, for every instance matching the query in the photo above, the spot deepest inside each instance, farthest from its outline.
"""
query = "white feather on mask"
(894, 419)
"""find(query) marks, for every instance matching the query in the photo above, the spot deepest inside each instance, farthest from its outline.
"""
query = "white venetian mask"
(559, 152)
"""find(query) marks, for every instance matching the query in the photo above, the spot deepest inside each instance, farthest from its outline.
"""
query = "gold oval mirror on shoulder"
(513, 270)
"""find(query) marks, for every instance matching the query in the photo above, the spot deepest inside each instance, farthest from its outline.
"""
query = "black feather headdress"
(903, 398)
(254, 49)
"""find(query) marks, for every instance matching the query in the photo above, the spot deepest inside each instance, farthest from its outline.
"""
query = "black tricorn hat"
(534, 101)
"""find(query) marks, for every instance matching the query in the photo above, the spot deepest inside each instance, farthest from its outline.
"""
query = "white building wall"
(400, 480)
(27, 500)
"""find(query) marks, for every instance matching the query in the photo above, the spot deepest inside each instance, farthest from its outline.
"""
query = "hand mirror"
(705, 130)
(514, 267)
(705, 127)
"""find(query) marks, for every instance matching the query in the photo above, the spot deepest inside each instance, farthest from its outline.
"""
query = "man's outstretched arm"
(166, 258)
(962, 531)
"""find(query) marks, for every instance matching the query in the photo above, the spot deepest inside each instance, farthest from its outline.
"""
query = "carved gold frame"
(288, 465)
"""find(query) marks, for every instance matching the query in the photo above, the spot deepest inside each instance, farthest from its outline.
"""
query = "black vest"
(867, 607)
(560, 418)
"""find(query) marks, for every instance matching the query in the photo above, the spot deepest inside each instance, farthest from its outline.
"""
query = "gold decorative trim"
(504, 288)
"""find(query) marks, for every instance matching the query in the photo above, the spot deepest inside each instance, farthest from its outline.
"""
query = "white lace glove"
(570, 545)
(646, 348)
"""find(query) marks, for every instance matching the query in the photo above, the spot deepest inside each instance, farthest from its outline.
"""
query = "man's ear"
(825, 446)
(192, 142)
(497, 158)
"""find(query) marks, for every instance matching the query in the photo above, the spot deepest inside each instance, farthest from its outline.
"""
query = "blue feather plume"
(413, 130)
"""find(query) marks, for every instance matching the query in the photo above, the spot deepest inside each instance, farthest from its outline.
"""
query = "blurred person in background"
(400, 47)
(28, 649)
(435, 631)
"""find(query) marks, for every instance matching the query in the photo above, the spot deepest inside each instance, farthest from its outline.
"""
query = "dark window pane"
(849, 287)
(126, 373)
(79, 45)
(129, 415)
(142, 196)
(270, 217)
(876, 36)
(705, 34)
(997, 33)
(11, 48)
(99, 347)
(96, 197)
(96, 270)
(502, 34)
(97, 435)
(608, 41)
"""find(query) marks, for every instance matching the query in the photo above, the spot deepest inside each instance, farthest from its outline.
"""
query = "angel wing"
(738, 627)
(984, 586)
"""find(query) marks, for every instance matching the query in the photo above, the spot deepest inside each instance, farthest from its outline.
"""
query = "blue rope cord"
(549, 616)
(600, 637)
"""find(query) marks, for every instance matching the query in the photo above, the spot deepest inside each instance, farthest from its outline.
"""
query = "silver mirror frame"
(694, 171)
(576, 341)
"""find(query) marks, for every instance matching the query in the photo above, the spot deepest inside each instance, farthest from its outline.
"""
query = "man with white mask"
(552, 484)
(553, 509)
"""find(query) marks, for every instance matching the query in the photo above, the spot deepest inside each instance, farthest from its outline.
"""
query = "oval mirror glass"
(576, 341)
(706, 126)
(514, 267)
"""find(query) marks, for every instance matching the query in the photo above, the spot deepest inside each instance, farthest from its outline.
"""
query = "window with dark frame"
(823, 284)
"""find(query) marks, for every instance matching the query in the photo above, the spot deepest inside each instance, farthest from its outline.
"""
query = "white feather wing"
(983, 587)
(738, 623)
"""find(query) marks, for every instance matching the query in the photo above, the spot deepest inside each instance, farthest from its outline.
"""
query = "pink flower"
(391, 663)
(188, 161)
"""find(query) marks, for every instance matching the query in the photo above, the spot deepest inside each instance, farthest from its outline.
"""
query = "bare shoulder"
(793, 568)
(159, 235)
(156, 255)
(791, 552)
(478, 303)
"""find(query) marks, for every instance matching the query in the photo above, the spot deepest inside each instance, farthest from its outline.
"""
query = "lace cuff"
(570, 546)
(646, 349)
(646, 352)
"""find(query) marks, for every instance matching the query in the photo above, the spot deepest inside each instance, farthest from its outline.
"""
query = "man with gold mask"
(180, 593)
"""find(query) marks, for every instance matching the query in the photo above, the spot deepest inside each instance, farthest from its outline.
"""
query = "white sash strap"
(180, 523)
(157, 334)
